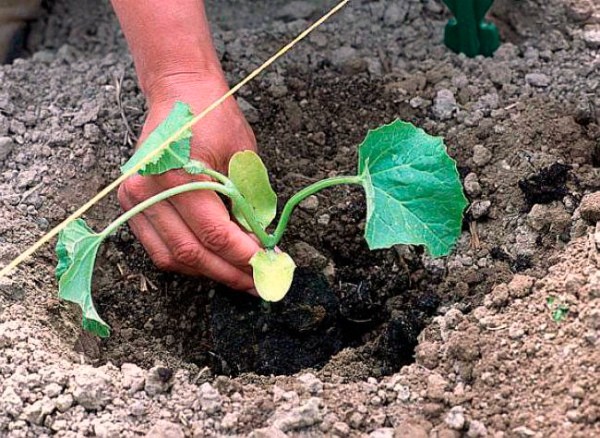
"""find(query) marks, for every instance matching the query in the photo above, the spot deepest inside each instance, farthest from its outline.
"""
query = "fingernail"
(252, 291)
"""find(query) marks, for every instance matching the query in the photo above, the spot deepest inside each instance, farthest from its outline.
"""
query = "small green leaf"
(249, 174)
(414, 195)
(560, 313)
(194, 167)
(273, 274)
(175, 155)
(76, 249)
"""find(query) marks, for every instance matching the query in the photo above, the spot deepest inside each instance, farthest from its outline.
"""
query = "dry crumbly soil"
(383, 344)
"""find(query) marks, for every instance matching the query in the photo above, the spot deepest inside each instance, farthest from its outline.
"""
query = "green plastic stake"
(468, 32)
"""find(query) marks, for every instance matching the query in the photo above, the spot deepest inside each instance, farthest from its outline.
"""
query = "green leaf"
(414, 195)
(249, 174)
(175, 155)
(560, 313)
(76, 250)
(273, 274)
(194, 167)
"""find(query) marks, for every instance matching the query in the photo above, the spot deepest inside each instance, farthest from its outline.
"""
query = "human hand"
(193, 233)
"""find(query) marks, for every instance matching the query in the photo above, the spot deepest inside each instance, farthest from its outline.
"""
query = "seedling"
(413, 193)
(558, 310)
(468, 32)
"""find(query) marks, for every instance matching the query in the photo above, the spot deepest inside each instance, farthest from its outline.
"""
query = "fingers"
(188, 252)
(206, 215)
(157, 250)
(170, 242)
(147, 235)
(209, 218)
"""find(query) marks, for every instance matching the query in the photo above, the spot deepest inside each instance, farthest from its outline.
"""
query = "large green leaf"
(175, 155)
(76, 250)
(249, 174)
(414, 194)
(273, 273)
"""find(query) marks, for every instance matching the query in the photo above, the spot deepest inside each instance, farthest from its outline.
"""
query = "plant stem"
(217, 175)
(245, 208)
(248, 213)
(227, 190)
(202, 185)
(300, 196)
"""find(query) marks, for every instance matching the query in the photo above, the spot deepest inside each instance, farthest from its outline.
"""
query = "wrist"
(177, 78)
(170, 42)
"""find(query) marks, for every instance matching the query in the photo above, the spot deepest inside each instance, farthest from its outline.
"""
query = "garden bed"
(338, 355)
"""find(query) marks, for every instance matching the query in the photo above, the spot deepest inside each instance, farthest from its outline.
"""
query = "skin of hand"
(191, 233)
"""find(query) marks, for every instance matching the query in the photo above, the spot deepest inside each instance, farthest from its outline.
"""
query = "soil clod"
(546, 185)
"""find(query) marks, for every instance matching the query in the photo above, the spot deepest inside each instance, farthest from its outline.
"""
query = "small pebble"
(165, 429)
(539, 80)
(481, 155)
(472, 186)
(515, 332)
(340, 429)
(395, 13)
(590, 207)
(477, 430)
(444, 105)
(480, 208)
(523, 432)
(305, 415)
(455, 419)
(591, 36)
(6, 147)
(311, 383)
(250, 112)
(64, 402)
(310, 204)
(324, 219)
(577, 391)
(296, 10)
(158, 381)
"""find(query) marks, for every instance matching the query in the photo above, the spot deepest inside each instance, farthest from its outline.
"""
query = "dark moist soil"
(266, 337)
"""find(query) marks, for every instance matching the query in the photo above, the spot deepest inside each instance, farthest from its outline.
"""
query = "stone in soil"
(480, 208)
(481, 155)
(91, 388)
(6, 147)
(158, 380)
(444, 105)
(590, 207)
(165, 429)
(296, 10)
(591, 36)
(537, 79)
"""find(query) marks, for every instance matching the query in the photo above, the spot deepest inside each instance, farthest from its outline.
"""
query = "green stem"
(227, 190)
(245, 208)
(217, 175)
(202, 185)
(300, 196)
(248, 213)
